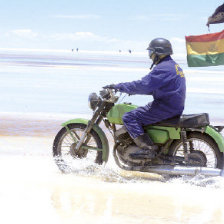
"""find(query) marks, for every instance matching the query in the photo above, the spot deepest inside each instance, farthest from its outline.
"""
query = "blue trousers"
(142, 116)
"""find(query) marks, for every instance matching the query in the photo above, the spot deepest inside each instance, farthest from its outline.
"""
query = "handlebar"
(109, 95)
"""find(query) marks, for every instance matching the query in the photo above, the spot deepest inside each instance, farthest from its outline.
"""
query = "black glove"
(111, 86)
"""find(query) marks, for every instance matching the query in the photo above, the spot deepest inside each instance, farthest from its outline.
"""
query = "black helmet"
(160, 46)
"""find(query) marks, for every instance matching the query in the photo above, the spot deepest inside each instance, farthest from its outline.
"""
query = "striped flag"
(205, 50)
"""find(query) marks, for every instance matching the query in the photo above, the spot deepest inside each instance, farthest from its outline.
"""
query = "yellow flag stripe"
(203, 48)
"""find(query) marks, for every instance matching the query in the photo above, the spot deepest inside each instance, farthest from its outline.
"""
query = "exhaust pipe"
(173, 170)
(180, 170)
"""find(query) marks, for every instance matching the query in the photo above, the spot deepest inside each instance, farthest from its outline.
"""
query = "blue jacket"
(166, 83)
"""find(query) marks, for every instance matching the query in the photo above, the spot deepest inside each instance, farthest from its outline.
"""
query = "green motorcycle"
(187, 145)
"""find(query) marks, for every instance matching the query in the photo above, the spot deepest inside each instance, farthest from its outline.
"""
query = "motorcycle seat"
(186, 121)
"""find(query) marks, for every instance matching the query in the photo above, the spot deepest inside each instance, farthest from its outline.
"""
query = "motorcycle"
(187, 144)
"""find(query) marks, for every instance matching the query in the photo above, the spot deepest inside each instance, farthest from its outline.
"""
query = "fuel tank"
(116, 113)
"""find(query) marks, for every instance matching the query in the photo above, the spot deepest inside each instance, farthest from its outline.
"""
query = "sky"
(102, 25)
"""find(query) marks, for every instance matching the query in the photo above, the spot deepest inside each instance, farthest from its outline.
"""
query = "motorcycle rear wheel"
(64, 152)
(201, 143)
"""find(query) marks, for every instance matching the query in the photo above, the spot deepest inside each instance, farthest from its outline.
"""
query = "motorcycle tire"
(63, 143)
(202, 143)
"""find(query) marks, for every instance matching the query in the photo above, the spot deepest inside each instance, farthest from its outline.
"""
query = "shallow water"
(36, 191)
(33, 190)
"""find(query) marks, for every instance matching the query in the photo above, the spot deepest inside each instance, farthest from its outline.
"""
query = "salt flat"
(39, 91)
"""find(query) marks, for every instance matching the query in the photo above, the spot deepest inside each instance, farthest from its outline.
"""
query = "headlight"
(94, 101)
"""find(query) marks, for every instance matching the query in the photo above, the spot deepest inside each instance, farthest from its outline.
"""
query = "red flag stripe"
(206, 37)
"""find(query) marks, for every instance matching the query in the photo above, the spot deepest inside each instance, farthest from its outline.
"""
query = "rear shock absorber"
(183, 135)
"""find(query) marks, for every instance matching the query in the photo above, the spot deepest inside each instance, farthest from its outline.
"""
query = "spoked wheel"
(64, 149)
(204, 151)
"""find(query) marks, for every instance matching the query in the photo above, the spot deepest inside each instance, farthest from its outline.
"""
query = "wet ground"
(33, 190)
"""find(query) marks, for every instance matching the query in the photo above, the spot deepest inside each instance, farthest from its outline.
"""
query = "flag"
(205, 50)
(217, 16)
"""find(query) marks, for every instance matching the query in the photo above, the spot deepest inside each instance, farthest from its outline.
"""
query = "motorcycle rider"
(166, 83)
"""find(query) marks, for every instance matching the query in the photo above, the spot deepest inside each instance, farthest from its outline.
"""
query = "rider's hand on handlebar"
(111, 86)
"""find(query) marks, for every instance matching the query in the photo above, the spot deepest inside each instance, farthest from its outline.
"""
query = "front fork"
(96, 119)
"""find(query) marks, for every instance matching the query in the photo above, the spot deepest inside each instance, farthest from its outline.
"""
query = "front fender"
(98, 130)
(218, 138)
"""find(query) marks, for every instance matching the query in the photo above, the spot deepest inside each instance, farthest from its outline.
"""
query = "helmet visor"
(150, 52)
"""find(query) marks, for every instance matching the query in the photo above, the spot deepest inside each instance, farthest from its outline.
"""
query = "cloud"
(83, 36)
(24, 33)
(83, 16)
(94, 41)
(76, 36)
(85, 40)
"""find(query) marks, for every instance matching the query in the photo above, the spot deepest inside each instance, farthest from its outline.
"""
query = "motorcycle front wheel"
(65, 154)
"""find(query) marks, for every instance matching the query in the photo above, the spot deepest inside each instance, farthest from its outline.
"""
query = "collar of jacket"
(167, 58)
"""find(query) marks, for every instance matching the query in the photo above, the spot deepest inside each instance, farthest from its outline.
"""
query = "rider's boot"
(148, 149)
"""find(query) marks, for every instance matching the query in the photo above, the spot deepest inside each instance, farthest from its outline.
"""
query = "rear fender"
(218, 138)
(98, 130)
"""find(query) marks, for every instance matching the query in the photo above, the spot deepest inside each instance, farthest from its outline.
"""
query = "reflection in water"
(34, 191)
(86, 200)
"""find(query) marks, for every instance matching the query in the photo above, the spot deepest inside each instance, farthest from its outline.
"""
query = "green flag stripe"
(205, 60)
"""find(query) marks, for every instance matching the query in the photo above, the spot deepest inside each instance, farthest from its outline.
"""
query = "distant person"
(129, 51)
(77, 49)
(119, 51)
(166, 83)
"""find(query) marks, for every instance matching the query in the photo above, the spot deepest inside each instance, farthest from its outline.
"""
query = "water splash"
(115, 174)
(199, 180)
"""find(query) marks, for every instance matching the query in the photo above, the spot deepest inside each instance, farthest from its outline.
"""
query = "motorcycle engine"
(125, 145)
(122, 137)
